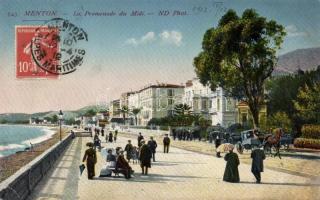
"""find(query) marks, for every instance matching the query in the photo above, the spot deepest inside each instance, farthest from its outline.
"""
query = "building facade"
(156, 101)
(212, 105)
(114, 109)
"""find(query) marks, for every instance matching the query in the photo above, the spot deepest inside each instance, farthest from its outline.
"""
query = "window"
(210, 103)
(170, 101)
(170, 92)
(195, 104)
(218, 104)
(204, 104)
(229, 105)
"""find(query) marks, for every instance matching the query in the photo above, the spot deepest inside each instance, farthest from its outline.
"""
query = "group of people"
(147, 150)
(231, 173)
(183, 135)
(112, 137)
(144, 153)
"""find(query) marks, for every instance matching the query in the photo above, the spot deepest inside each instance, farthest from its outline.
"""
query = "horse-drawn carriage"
(251, 138)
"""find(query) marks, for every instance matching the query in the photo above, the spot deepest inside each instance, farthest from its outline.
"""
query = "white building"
(156, 101)
(213, 105)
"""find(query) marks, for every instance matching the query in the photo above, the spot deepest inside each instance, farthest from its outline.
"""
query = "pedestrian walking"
(153, 146)
(110, 137)
(102, 132)
(90, 157)
(129, 149)
(115, 135)
(145, 157)
(257, 156)
(231, 173)
(166, 144)
(140, 137)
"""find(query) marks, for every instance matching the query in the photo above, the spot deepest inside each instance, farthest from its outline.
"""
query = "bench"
(119, 170)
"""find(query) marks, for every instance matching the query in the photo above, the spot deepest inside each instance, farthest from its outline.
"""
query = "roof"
(162, 85)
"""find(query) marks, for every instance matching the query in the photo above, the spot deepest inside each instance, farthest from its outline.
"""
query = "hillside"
(304, 59)
(23, 117)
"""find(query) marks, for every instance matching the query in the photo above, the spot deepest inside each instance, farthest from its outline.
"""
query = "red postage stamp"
(26, 66)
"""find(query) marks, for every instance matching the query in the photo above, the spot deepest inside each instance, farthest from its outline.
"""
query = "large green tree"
(239, 55)
(308, 103)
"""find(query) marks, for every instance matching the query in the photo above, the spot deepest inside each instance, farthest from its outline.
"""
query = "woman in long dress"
(231, 173)
(90, 157)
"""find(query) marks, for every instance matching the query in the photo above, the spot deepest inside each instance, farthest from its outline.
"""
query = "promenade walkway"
(178, 175)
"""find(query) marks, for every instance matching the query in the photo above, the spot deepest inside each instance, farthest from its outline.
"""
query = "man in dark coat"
(166, 144)
(257, 156)
(102, 132)
(231, 173)
(153, 146)
(110, 137)
(90, 157)
(140, 137)
(129, 149)
(145, 157)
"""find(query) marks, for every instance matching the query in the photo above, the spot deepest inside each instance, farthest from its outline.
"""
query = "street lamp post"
(60, 120)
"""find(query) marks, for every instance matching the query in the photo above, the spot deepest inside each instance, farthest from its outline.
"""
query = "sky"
(125, 53)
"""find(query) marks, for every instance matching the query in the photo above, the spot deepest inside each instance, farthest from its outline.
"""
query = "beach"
(12, 163)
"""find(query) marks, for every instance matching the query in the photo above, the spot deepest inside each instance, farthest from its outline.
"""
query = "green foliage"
(239, 55)
(182, 109)
(54, 119)
(280, 119)
(307, 143)
(283, 92)
(3, 121)
(308, 103)
(311, 131)
(90, 113)
(72, 121)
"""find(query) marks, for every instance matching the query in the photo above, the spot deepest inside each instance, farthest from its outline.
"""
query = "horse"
(273, 141)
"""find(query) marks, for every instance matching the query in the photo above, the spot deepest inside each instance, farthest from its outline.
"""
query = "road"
(180, 174)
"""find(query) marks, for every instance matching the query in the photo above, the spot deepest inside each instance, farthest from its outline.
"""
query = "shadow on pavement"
(193, 163)
(285, 184)
(155, 178)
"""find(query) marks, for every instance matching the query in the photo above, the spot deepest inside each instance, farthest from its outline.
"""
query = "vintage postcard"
(159, 99)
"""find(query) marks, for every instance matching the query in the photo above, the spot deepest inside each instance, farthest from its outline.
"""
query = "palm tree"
(182, 109)
(135, 112)
(182, 112)
(124, 110)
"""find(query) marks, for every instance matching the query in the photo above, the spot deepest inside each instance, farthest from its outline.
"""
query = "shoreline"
(48, 133)
(12, 163)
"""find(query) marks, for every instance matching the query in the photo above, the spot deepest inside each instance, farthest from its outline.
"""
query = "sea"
(14, 138)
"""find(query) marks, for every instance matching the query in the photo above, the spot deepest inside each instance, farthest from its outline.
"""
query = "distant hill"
(23, 117)
(304, 59)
